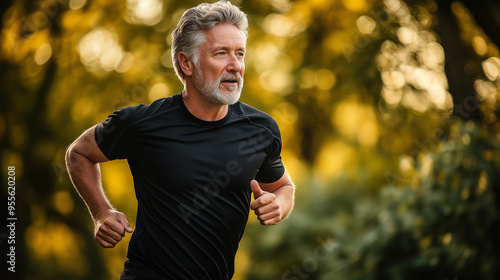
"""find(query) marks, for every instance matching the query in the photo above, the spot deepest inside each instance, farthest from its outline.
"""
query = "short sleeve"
(272, 168)
(114, 136)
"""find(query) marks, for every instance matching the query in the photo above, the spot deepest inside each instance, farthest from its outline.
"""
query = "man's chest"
(180, 158)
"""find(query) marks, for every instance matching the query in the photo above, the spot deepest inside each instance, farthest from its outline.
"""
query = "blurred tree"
(429, 223)
(461, 52)
(354, 85)
(443, 225)
(23, 105)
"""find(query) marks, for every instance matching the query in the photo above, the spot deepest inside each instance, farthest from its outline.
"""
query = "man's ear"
(186, 64)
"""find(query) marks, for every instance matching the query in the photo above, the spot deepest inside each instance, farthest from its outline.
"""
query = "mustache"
(231, 76)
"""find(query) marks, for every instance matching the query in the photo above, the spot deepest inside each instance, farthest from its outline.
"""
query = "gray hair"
(188, 36)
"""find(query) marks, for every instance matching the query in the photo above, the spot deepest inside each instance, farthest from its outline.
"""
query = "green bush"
(443, 223)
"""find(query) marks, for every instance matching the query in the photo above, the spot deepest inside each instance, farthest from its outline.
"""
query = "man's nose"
(234, 64)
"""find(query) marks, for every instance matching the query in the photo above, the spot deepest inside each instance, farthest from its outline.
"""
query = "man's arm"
(82, 161)
(273, 201)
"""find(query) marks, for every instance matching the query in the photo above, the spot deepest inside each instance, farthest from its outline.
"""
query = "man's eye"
(241, 54)
(221, 53)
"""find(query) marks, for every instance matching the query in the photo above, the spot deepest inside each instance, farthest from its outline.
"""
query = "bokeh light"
(374, 134)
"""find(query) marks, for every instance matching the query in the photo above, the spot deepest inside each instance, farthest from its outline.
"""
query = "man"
(195, 157)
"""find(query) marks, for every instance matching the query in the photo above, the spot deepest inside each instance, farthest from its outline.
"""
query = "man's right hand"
(110, 228)
(82, 161)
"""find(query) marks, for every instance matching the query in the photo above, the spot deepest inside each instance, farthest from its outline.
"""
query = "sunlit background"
(388, 109)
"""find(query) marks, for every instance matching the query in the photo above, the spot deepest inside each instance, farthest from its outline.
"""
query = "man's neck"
(202, 109)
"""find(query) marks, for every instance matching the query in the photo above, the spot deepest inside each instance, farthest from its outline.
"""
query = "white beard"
(211, 89)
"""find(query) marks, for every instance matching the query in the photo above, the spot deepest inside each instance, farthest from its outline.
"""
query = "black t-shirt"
(192, 182)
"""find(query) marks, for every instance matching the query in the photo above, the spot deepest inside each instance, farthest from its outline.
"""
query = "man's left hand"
(265, 205)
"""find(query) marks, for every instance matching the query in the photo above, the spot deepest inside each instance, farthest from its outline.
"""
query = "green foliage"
(444, 228)
(443, 224)
(354, 87)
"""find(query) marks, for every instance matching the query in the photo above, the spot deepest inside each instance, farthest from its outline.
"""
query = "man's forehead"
(225, 35)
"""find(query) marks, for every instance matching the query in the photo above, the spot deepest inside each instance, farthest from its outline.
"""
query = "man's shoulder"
(136, 113)
(253, 115)
(245, 110)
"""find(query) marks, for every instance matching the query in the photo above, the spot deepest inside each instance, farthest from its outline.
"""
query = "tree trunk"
(458, 56)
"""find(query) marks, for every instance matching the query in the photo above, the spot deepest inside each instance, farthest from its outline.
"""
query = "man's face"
(219, 73)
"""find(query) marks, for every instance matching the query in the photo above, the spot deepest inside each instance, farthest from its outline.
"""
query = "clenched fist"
(110, 228)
